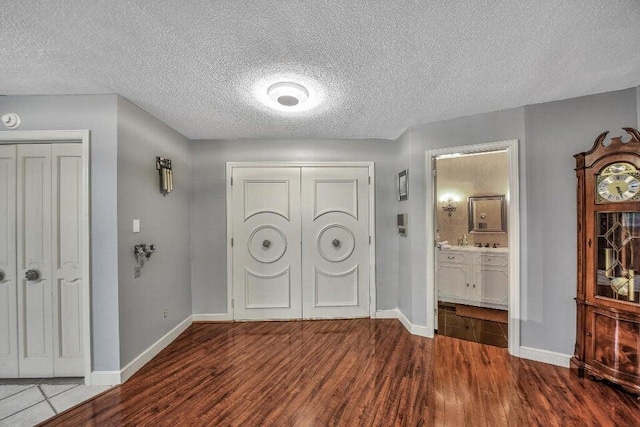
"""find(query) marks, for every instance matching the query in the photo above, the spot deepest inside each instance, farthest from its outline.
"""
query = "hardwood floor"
(347, 373)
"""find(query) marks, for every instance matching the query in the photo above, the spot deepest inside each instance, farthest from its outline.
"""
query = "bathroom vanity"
(473, 276)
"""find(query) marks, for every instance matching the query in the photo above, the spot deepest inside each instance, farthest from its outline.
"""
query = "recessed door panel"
(67, 257)
(8, 291)
(336, 289)
(266, 249)
(266, 291)
(34, 260)
(335, 242)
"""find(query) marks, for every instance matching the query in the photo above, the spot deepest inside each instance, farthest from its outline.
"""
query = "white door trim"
(372, 220)
(81, 137)
(513, 227)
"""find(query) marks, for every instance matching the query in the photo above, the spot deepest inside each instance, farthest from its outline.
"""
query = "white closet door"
(67, 259)
(8, 299)
(35, 325)
(335, 224)
(266, 250)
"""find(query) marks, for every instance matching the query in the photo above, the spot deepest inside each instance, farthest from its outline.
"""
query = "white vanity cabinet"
(473, 276)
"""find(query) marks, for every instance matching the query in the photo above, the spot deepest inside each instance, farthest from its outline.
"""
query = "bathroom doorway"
(472, 277)
(473, 273)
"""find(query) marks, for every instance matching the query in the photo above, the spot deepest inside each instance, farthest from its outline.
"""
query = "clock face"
(618, 187)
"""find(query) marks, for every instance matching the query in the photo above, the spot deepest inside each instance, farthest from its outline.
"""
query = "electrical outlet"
(136, 272)
(165, 313)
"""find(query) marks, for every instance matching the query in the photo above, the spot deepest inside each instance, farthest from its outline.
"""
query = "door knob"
(266, 243)
(32, 275)
(335, 243)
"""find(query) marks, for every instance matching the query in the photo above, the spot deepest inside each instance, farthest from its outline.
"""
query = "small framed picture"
(403, 185)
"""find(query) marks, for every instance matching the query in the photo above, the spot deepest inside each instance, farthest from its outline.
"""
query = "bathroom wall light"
(449, 203)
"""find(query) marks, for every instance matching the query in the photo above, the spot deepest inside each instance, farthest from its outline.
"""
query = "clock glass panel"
(618, 255)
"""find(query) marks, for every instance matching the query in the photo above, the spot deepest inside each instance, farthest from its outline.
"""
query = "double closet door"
(300, 242)
(40, 260)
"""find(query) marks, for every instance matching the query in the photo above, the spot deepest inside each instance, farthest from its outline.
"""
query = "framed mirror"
(487, 214)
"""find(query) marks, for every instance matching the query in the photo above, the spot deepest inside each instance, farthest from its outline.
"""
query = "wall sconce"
(163, 165)
(449, 203)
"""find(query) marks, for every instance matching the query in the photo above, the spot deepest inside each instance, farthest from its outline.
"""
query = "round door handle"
(32, 275)
(335, 243)
(266, 243)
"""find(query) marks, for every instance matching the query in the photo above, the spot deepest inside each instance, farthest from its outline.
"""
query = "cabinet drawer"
(492, 259)
(451, 257)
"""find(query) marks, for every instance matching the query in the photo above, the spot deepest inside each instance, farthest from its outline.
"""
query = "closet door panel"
(335, 242)
(67, 252)
(266, 251)
(34, 260)
(8, 291)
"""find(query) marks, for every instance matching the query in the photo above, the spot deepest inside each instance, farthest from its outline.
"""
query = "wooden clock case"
(608, 329)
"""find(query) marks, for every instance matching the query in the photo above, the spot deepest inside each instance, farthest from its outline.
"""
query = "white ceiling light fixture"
(288, 90)
(288, 94)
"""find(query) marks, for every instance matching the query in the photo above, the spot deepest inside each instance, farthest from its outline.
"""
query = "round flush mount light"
(288, 94)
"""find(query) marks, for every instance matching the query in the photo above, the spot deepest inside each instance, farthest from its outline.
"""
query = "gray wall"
(165, 220)
(550, 134)
(638, 106)
(497, 126)
(98, 114)
(209, 242)
(556, 131)
(405, 291)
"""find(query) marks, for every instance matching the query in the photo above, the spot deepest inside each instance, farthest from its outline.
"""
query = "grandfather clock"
(608, 294)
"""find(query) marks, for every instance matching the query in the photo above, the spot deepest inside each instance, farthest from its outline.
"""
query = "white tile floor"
(29, 402)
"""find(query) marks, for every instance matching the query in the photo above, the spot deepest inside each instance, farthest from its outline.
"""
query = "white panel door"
(335, 242)
(8, 298)
(266, 243)
(35, 325)
(67, 260)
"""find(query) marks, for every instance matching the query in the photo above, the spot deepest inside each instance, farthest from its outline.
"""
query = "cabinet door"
(491, 284)
(453, 282)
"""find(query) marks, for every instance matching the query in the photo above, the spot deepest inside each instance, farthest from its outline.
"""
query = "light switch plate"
(136, 225)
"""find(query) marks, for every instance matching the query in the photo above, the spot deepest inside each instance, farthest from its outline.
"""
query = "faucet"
(479, 245)
(495, 245)
(486, 245)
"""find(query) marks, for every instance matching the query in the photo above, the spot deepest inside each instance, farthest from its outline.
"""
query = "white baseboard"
(146, 356)
(104, 378)
(421, 331)
(545, 356)
(387, 314)
(220, 317)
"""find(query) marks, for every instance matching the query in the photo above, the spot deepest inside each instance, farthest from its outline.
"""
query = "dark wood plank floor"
(348, 373)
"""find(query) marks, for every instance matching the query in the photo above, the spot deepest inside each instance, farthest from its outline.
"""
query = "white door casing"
(266, 243)
(515, 263)
(44, 317)
(35, 302)
(335, 242)
(8, 289)
(81, 139)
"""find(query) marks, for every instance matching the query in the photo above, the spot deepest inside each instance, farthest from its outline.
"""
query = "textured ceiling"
(377, 66)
